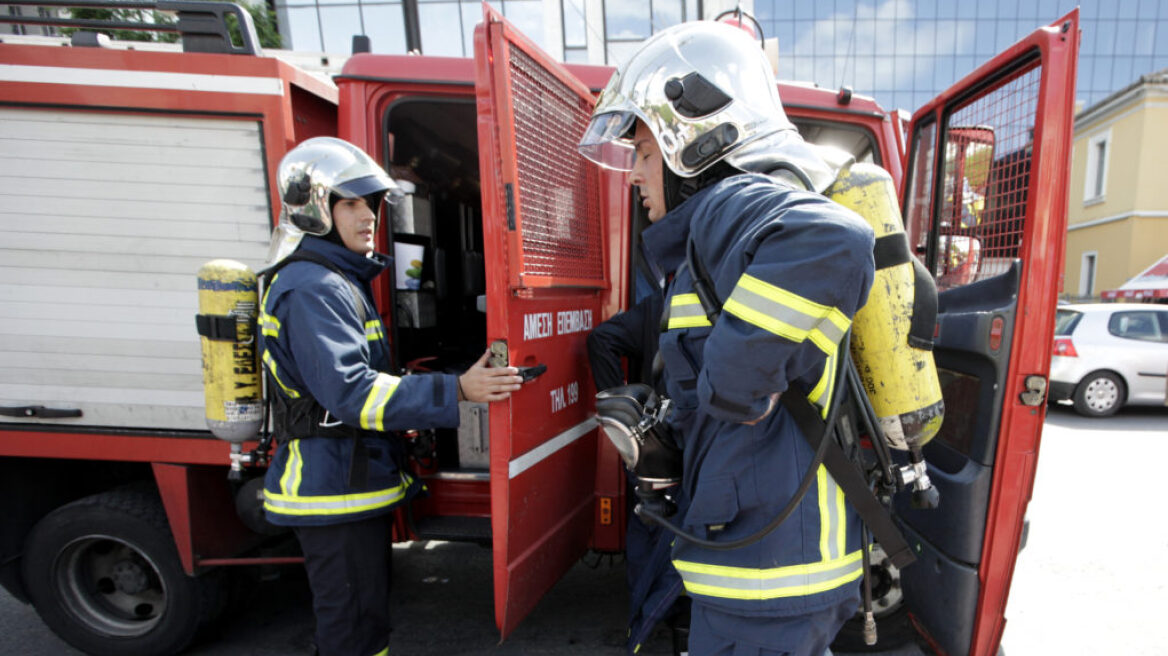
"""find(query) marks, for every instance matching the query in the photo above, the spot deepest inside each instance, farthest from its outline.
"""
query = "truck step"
(454, 529)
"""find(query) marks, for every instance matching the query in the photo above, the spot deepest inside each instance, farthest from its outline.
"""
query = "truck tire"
(893, 628)
(104, 574)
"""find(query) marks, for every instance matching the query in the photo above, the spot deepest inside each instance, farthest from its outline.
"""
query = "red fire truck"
(126, 170)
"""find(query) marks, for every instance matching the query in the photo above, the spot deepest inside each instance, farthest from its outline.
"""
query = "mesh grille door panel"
(986, 181)
(559, 222)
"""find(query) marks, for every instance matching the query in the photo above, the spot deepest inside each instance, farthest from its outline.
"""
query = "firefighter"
(651, 579)
(732, 191)
(338, 471)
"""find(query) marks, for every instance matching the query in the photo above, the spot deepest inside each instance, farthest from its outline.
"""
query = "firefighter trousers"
(713, 632)
(349, 572)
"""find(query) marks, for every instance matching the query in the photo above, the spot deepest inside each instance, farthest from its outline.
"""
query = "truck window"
(850, 138)
(987, 147)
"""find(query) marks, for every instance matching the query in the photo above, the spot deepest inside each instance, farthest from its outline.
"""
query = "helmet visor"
(376, 183)
(607, 141)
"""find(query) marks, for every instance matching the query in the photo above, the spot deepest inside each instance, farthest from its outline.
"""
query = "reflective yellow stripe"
(821, 394)
(824, 525)
(334, 504)
(270, 325)
(373, 413)
(383, 652)
(773, 583)
(270, 362)
(786, 314)
(297, 470)
(685, 311)
(832, 518)
(841, 534)
(373, 331)
(290, 466)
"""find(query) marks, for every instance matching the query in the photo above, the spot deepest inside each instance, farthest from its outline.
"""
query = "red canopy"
(1151, 283)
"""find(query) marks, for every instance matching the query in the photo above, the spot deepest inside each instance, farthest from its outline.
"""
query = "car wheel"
(1099, 394)
(103, 573)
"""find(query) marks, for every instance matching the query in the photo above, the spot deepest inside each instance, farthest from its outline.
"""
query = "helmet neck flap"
(678, 189)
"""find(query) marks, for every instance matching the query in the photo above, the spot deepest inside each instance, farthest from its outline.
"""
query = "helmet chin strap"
(678, 189)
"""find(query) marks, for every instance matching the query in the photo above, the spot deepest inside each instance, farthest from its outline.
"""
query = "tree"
(263, 18)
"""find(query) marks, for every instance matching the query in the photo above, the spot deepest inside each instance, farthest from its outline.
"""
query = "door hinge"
(509, 191)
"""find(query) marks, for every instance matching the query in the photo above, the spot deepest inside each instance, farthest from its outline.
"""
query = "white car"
(1107, 355)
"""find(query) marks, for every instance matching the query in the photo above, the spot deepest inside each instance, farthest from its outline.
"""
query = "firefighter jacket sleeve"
(631, 334)
(332, 356)
(790, 283)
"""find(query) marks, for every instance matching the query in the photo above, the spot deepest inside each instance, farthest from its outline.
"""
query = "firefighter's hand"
(481, 383)
(770, 408)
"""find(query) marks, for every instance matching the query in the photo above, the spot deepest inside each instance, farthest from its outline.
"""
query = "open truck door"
(547, 267)
(985, 207)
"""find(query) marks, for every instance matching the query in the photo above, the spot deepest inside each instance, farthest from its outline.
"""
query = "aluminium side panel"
(106, 218)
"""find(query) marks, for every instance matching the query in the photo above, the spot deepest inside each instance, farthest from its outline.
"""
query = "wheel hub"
(110, 586)
(1101, 394)
(129, 577)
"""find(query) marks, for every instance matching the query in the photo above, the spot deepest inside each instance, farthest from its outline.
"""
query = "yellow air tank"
(893, 357)
(228, 298)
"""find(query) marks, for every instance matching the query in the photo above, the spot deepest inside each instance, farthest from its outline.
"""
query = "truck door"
(985, 206)
(544, 242)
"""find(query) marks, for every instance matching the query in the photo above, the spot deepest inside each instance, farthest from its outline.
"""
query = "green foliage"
(134, 15)
(265, 25)
(263, 18)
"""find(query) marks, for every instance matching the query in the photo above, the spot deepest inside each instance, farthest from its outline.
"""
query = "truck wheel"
(1099, 394)
(103, 573)
(893, 628)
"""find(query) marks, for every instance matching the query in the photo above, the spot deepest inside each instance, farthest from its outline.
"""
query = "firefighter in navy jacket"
(695, 116)
(337, 472)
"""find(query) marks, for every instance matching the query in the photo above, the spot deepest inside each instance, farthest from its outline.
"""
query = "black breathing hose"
(843, 364)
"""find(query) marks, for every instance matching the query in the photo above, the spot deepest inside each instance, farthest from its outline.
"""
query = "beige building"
(1117, 223)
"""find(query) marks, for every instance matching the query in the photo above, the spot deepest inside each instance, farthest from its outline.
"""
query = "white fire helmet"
(309, 175)
(705, 90)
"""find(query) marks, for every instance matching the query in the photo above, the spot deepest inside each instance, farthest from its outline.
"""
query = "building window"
(1095, 183)
(1087, 274)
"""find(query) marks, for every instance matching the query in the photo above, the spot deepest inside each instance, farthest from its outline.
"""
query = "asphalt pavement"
(1093, 578)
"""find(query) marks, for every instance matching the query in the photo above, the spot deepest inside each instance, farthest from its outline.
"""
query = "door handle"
(38, 412)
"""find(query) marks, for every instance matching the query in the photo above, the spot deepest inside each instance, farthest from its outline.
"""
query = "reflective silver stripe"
(270, 324)
(832, 517)
(545, 450)
(291, 468)
(340, 504)
(685, 311)
(373, 330)
(802, 323)
(107, 77)
(760, 584)
(373, 414)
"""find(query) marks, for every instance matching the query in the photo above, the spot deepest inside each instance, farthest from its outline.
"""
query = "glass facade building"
(905, 52)
(902, 52)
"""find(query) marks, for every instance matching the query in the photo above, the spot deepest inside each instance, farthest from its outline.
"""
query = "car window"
(1065, 321)
(1142, 325)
